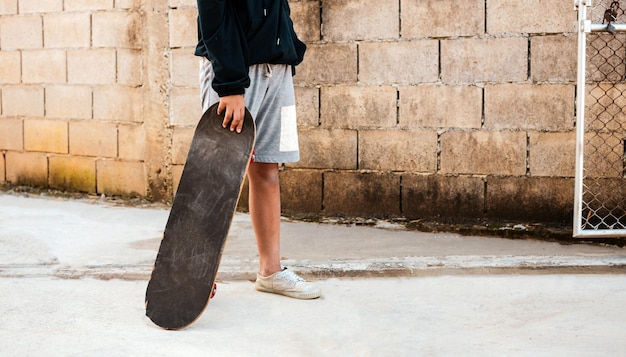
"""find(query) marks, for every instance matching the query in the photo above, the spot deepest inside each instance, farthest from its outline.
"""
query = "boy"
(250, 50)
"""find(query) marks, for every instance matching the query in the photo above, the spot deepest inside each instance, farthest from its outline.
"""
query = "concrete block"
(442, 18)
(184, 68)
(44, 66)
(8, 7)
(128, 4)
(301, 191)
(530, 198)
(362, 194)
(22, 100)
(606, 58)
(21, 32)
(11, 134)
(67, 30)
(129, 67)
(471, 60)
(82, 5)
(378, 62)
(40, 6)
(359, 106)
(306, 20)
(181, 3)
(91, 66)
(177, 172)
(553, 58)
(10, 67)
(72, 173)
(308, 106)
(529, 106)
(398, 150)
(243, 204)
(441, 106)
(26, 168)
(181, 141)
(183, 29)
(604, 155)
(483, 152)
(119, 29)
(604, 106)
(327, 149)
(122, 178)
(68, 101)
(2, 171)
(552, 154)
(131, 142)
(46, 135)
(88, 138)
(185, 106)
(119, 103)
(607, 200)
(510, 16)
(360, 20)
(328, 64)
(425, 196)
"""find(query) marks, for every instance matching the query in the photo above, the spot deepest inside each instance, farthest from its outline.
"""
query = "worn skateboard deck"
(199, 221)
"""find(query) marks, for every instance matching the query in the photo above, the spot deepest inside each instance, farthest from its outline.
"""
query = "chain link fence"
(602, 205)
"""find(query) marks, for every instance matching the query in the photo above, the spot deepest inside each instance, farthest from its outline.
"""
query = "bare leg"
(264, 201)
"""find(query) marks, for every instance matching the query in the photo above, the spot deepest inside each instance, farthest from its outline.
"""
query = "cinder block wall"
(407, 108)
(72, 84)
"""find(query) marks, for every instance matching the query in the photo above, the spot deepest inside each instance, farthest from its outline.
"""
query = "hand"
(234, 108)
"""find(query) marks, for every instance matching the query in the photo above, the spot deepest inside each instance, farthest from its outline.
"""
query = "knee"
(263, 173)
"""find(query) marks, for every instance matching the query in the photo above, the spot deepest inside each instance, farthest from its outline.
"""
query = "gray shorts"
(271, 101)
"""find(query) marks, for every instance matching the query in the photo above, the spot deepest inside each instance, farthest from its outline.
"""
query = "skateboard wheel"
(213, 291)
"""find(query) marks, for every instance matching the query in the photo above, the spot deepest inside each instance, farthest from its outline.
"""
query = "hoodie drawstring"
(268, 74)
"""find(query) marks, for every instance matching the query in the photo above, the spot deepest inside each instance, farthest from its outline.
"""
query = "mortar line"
(319, 106)
(485, 16)
(485, 196)
(439, 70)
(398, 106)
(358, 60)
(321, 3)
(482, 114)
(528, 74)
(400, 18)
(438, 163)
(357, 148)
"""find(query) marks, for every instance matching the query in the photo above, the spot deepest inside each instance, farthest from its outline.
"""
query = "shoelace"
(290, 276)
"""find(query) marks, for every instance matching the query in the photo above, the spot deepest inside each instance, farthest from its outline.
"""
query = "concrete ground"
(73, 275)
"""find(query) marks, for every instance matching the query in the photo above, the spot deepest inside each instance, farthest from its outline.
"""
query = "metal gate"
(600, 197)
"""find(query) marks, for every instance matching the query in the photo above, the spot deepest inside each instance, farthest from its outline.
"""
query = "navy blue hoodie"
(235, 34)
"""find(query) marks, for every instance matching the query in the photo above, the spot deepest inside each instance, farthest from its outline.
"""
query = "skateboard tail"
(200, 219)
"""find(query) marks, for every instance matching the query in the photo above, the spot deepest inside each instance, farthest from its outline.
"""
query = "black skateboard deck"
(200, 218)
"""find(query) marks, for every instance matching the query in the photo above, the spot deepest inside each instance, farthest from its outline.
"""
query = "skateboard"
(183, 277)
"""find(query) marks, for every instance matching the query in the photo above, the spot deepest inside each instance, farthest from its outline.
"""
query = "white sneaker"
(286, 282)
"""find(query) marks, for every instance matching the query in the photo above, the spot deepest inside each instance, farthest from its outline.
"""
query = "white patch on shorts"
(288, 129)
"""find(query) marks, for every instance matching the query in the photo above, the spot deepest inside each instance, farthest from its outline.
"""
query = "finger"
(220, 107)
(242, 116)
(237, 122)
(228, 117)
